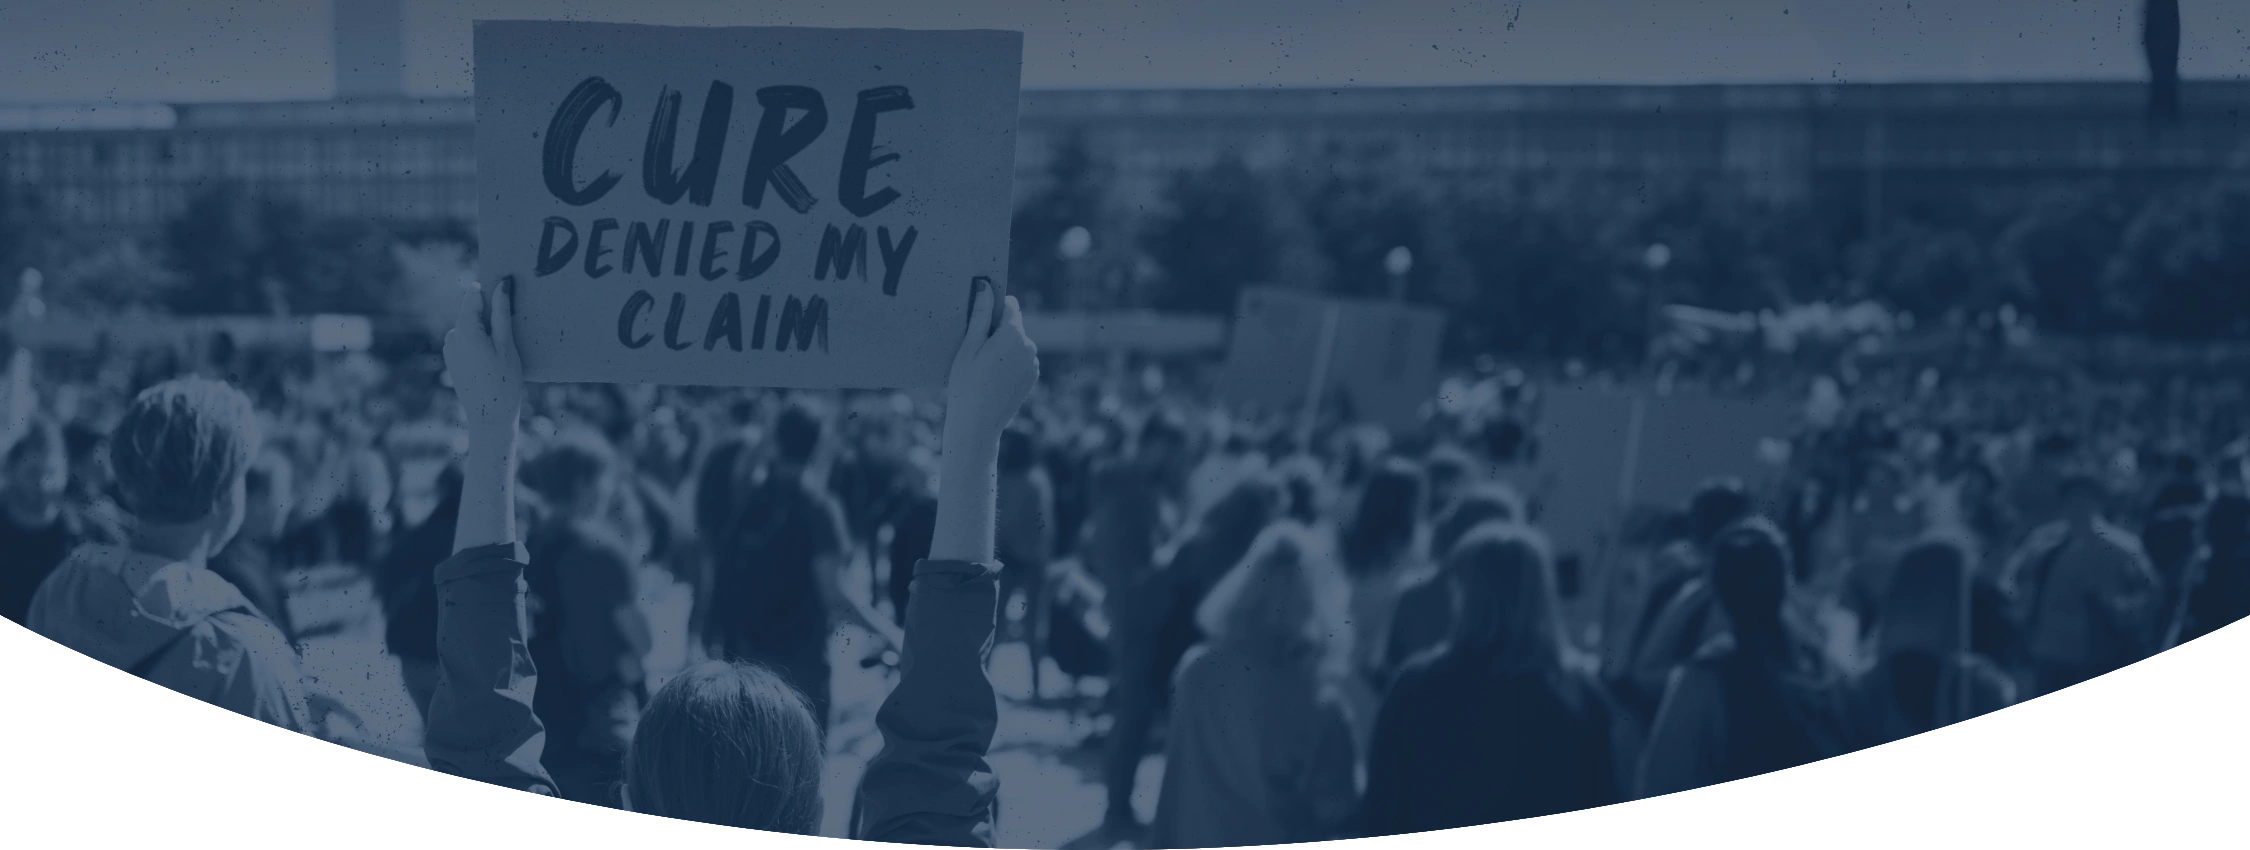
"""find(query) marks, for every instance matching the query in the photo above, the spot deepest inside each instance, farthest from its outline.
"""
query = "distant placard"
(1606, 453)
(757, 206)
(1375, 359)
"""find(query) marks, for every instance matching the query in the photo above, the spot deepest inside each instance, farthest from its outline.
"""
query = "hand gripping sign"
(754, 206)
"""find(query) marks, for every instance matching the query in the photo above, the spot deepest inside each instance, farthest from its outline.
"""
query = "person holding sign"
(731, 744)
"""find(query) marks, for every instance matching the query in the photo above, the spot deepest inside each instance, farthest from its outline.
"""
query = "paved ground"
(1050, 783)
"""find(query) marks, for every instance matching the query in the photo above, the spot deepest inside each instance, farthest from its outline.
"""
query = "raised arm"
(931, 784)
(481, 726)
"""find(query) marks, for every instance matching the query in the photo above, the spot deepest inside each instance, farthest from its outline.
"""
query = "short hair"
(797, 432)
(2084, 484)
(181, 446)
(728, 744)
(1386, 517)
(569, 466)
(1750, 576)
(1492, 502)
(1717, 504)
(1161, 427)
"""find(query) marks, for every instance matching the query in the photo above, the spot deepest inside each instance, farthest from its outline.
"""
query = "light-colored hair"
(181, 446)
(1287, 596)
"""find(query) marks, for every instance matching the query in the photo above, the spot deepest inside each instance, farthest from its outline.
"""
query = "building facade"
(129, 168)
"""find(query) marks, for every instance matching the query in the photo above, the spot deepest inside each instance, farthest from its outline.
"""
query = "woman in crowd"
(731, 744)
(1425, 606)
(1493, 727)
(1754, 704)
(1380, 543)
(1925, 674)
(1261, 748)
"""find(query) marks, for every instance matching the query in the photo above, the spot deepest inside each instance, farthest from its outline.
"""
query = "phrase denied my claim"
(761, 206)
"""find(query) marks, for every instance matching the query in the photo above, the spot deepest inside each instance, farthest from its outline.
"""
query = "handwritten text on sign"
(746, 206)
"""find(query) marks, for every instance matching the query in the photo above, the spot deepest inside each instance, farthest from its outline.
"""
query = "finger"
(980, 312)
(1013, 317)
(504, 324)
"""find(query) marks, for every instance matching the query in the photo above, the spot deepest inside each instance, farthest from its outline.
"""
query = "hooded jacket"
(176, 624)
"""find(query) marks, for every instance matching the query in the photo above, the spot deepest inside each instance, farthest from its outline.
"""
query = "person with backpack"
(2084, 591)
(1754, 701)
(731, 743)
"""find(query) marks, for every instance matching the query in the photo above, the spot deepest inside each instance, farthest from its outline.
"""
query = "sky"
(198, 50)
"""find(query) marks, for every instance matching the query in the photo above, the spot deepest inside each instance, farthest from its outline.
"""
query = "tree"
(2184, 264)
(1223, 228)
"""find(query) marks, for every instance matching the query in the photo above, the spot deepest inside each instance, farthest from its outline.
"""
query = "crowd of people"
(1325, 629)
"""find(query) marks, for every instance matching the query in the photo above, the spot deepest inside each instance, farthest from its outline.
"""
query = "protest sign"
(1608, 453)
(752, 206)
(1374, 360)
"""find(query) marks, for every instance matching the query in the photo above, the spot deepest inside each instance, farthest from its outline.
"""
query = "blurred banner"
(1372, 360)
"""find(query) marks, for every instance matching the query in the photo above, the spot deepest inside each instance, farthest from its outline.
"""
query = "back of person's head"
(1491, 502)
(1717, 504)
(2227, 524)
(571, 470)
(1287, 596)
(1926, 609)
(1504, 439)
(2172, 538)
(727, 744)
(2083, 492)
(1504, 597)
(1245, 509)
(797, 433)
(1162, 434)
(1750, 576)
(179, 453)
(1386, 519)
(1305, 486)
(1019, 451)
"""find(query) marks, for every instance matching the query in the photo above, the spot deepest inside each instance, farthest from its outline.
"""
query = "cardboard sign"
(1607, 453)
(749, 206)
(1376, 360)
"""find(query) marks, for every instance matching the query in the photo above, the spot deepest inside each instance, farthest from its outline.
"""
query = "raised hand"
(480, 355)
(481, 358)
(993, 371)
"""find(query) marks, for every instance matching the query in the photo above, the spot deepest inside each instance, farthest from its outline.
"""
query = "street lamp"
(1398, 262)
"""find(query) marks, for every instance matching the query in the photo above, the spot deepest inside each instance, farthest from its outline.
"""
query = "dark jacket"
(929, 785)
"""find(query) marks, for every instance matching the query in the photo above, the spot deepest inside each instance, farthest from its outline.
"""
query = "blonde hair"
(1287, 596)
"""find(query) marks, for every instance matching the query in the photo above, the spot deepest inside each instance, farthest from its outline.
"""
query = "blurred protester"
(1493, 726)
(2084, 591)
(152, 606)
(38, 526)
(1926, 674)
(1757, 701)
(2221, 595)
(588, 638)
(1425, 607)
(1131, 497)
(1260, 749)
(249, 560)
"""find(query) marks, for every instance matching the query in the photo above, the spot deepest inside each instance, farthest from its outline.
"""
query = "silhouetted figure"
(2160, 40)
